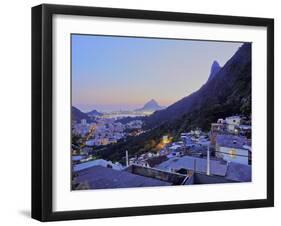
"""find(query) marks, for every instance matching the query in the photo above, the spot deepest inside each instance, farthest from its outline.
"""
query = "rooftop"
(233, 117)
(99, 177)
(189, 162)
(156, 160)
(239, 172)
(77, 157)
(98, 162)
(232, 141)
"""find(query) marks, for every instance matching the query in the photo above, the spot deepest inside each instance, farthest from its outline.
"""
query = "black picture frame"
(42, 107)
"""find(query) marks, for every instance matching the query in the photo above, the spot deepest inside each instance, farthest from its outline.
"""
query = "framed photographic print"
(145, 112)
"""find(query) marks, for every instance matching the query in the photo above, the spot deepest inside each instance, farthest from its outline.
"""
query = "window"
(232, 153)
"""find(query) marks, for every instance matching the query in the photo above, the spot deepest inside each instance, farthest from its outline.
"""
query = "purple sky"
(118, 73)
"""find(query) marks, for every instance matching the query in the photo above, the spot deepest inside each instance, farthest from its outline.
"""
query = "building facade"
(233, 148)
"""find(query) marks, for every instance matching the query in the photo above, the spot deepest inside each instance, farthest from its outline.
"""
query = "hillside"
(94, 113)
(214, 70)
(228, 92)
(77, 115)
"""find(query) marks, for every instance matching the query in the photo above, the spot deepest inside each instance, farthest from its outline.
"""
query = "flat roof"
(77, 157)
(97, 162)
(188, 162)
(239, 172)
(232, 141)
(233, 116)
(99, 177)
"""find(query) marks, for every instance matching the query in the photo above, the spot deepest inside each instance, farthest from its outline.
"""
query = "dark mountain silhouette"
(94, 113)
(214, 70)
(78, 115)
(228, 91)
(151, 105)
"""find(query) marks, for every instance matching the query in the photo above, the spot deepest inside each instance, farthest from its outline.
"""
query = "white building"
(232, 123)
(220, 120)
(91, 142)
(233, 148)
(83, 122)
(233, 120)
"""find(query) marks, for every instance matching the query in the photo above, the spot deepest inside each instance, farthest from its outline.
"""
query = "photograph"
(149, 111)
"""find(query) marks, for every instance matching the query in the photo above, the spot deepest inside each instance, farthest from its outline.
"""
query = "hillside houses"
(224, 155)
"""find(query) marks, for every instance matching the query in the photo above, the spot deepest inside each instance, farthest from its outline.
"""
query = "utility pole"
(208, 160)
(127, 158)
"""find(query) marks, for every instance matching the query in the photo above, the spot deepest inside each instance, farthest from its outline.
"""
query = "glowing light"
(165, 139)
(232, 153)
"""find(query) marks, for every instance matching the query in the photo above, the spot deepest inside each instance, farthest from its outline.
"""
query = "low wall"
(200, 178)
(173, 178)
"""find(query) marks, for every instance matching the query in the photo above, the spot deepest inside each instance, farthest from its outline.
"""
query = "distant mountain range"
(150, 106)
(94, 113)
(78, 115)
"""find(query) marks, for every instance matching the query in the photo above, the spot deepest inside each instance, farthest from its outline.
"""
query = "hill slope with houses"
(226, 92)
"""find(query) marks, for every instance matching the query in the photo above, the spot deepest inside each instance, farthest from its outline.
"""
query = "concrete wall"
(205, 179)
(238, 155)
(173, 178)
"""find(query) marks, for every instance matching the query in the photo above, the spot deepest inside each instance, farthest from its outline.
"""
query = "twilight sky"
(120, 73)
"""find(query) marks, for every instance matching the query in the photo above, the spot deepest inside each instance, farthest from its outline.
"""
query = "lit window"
(232, 153)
